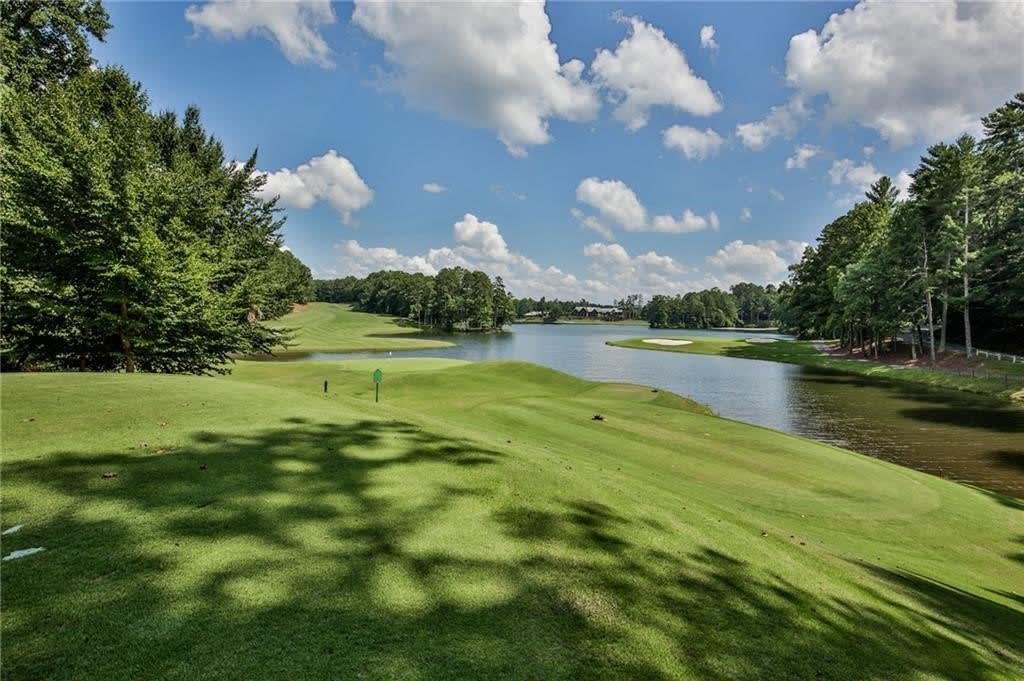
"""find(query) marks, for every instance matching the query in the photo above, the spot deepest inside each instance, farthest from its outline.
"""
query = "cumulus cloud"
(801, 155)
(858, 175)
(647, 70)
(707, 38)
(780, 121)
(616, 271)
(617, 204)
(903, 181)
(746, 215)
(764, 261)
(491, 65)
(613, 200)
(966, 62)
(434, 188)
(293, 26)
(331, 178)
(694, 144)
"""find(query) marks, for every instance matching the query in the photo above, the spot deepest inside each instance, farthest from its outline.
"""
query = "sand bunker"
(666, 341)
(762, 340)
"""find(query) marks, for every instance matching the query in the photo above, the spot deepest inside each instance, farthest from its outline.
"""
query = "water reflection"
(964, 437)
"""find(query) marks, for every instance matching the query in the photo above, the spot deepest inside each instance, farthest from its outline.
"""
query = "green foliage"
(128, 242)
(47, 41)
(877, 270)
(455, 298)
(695, 310)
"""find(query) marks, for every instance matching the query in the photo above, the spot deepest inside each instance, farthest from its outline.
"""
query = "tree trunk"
(928, 307)
(126, 346)
(967, 292)
(945, 304)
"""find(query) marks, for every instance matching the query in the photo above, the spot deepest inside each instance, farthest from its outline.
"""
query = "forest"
(947, 263)
(130, 241)
(454, 299)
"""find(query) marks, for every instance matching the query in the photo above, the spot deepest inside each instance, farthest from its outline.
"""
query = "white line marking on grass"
(12, 530)
(21, 553)
(666, 341)
(761, 340)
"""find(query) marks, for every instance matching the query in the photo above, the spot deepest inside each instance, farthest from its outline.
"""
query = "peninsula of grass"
(989, 381)
(479, 522)
(334, 327)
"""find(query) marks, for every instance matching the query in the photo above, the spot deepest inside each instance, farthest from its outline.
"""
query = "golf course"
(484, 519)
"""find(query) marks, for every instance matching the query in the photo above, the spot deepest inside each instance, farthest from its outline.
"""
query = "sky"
(575, 149)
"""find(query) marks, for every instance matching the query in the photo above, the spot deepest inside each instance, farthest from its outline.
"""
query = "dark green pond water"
(967, 438)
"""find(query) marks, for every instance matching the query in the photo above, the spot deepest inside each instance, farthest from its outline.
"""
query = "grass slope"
(331, 327)
(804, 353)
(478, 523)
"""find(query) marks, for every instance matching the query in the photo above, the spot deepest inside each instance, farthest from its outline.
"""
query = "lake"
(968, 438)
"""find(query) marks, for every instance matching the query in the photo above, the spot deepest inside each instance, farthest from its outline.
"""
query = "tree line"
(947, 263)
(129, 241)
(453, 299)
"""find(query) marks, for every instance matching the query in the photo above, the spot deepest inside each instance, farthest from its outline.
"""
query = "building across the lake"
(596, 312)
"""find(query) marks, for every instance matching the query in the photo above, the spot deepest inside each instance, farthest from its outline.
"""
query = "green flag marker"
(378, 378)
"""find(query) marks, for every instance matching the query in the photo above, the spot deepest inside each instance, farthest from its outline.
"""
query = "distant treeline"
(129, 240)
(745, 304)
(948, 262)
(454, 298)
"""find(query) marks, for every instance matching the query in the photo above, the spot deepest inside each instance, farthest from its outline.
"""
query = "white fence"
(1000, 356)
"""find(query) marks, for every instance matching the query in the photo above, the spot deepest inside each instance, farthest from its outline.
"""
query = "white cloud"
(746, 215)
(491, 65)
(592, 223)
(694, 144)
(481, 239)
(293, 26)
(707, 38)
(780, 121)
(859, 176)
(434, 188)
(903, 181)
(616, 203)
(868, 151)
(801, 155)
(647, 70)
(776, 194)
(687, 222)
(866, 61)
(764, 261)
(331, 178)
(618, 273)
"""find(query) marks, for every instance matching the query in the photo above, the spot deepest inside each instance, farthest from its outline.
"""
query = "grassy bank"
(804, 353)
(331, 327)
(477, 523)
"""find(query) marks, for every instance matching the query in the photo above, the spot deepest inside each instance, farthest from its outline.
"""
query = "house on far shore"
(534, 314)
(596, 312)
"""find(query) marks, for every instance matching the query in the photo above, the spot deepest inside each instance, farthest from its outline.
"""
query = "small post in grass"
(325, 386)
(378, 378)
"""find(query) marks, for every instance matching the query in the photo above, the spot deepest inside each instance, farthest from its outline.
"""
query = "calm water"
(967, 438)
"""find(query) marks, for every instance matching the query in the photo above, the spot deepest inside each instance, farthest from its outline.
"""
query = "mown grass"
(804, 353)
(477, 523)
(332, 327)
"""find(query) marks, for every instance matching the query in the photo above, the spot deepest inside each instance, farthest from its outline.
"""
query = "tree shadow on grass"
(378, 549)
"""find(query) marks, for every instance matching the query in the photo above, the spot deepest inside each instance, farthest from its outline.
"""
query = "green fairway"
(332, 327)
(804, 353)
(478, 522)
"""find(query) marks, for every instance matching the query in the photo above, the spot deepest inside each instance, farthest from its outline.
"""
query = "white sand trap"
(666, 341)
(12, 530)
(762, 340)
(21, 553)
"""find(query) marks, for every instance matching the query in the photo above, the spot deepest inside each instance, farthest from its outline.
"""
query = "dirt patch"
(299, 307)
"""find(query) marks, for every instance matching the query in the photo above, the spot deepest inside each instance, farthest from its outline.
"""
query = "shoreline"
(807, 353)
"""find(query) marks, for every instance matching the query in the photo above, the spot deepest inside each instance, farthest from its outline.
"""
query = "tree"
(883, 192)
(43, 41)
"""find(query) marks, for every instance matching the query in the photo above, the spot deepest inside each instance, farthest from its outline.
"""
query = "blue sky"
(355, 109)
